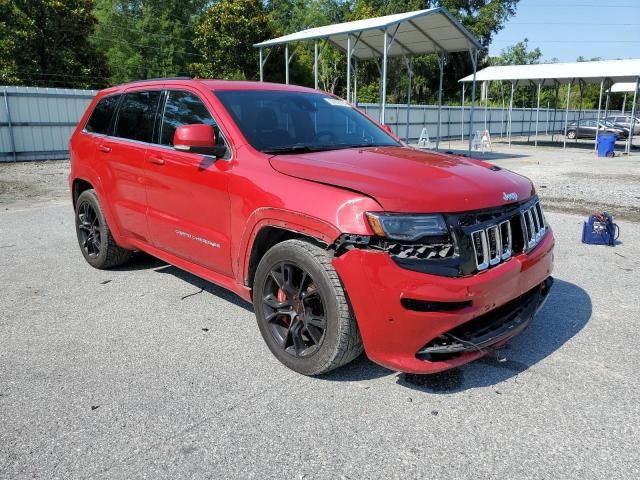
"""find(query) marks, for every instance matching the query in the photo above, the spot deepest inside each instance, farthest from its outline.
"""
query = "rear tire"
(94, 237)
(302, 309)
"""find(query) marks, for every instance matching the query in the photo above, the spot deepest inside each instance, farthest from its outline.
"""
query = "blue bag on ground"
(599, 229)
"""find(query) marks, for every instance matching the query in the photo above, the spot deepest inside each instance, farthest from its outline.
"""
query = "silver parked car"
(625, 121)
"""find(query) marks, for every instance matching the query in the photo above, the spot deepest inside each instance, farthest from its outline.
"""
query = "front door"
(187, 197)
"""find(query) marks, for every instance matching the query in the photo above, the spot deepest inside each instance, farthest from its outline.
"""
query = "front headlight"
(406, 227)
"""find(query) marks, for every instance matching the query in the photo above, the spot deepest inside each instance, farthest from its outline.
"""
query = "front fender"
(281, 218)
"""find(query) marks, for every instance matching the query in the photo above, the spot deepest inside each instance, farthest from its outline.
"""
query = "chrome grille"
(494, 243)
(534, 225)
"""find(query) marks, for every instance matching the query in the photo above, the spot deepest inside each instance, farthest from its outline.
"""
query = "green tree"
(225, 39)
(46, 43)
(518, 54)
(484, 18)
(147, 38)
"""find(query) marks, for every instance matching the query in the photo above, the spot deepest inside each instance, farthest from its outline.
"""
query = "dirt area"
(571, 181)
(25, 183)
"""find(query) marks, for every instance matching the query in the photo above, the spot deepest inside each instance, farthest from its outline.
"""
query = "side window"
(184, 108)
(136, 115)
(100, 119)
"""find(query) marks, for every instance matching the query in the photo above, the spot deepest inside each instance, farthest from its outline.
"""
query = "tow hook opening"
(433, 306)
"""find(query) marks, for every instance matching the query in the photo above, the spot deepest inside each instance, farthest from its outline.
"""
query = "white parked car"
(625, 121)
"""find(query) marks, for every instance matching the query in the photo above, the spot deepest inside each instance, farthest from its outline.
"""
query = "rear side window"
(183, 108)
(136, 115)
(100, 119)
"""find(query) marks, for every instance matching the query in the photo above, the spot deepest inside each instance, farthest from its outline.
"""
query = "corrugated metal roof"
(590, 72)
(423, 31)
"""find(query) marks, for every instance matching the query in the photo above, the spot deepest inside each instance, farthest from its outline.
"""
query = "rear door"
(124, 154)
(187, 193)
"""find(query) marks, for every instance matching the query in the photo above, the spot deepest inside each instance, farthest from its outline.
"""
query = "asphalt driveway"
(149, 372)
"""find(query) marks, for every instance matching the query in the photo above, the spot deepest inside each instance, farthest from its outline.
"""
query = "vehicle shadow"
(488, 155)
(143, 261)
(566, 312)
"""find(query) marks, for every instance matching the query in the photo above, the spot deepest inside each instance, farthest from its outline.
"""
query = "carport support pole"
(441, 66)
(348, 68)
(624, 102)
(383, 100)
(261, 65)
(409, 63)
(286, 63)
(462, 115)
(595, 146)
(315, 64)
(566, 115)
(633, 116)
(509, 121)
(485, 88)
(537, 113)
(474, 60)
(355, 82)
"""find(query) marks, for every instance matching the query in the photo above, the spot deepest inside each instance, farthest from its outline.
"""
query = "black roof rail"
(160, 78)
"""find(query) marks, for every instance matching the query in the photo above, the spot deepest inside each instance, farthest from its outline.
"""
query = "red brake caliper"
(281, 297)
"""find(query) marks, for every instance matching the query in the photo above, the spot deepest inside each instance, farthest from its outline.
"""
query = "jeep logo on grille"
(509, 197)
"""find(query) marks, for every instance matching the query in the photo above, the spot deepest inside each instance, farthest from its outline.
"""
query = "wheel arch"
(271, 227)
(79, 185)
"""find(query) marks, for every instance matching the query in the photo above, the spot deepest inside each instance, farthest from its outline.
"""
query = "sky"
(567, 29)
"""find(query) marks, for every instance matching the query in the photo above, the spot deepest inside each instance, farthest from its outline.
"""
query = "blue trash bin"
(606, 144)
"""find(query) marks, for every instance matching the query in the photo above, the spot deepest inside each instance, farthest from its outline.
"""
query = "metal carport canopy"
(420, 32)
(550, 73)
(620, 71)
(623, 87)
(406, 34)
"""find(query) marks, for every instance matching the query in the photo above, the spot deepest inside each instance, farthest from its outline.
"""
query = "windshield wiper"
(340, 146)
(297, 148)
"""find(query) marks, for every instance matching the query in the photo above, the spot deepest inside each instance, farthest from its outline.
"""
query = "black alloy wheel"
(98, 247)
(302, 308)
(294, 309)
(88, 229)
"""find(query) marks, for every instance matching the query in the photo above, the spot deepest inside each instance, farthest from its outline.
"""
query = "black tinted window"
(100, 119)
(183, 108)
(136, 116)
(277, 121)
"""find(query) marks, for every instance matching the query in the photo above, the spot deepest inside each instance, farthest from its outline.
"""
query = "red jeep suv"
(343, 237)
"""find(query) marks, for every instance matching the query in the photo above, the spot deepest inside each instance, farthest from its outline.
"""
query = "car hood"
(403, 179)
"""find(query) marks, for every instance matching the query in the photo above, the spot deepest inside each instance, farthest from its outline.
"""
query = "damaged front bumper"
(421, 323)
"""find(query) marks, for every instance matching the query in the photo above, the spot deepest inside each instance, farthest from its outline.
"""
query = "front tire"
(571, 134)
(302, 309)
(94, 237)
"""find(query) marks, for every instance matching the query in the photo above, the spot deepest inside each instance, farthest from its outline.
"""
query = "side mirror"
(197, 138)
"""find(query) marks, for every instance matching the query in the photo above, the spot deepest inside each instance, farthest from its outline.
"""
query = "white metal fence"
(36, 123)
(455, 120)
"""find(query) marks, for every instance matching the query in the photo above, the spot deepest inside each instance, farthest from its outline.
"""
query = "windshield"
(293, 122)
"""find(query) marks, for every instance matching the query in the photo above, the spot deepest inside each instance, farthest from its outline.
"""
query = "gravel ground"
(149, 372)
(574, 180)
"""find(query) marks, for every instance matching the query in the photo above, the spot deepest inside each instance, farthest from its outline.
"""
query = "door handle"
(104, 149)
(157, 160)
